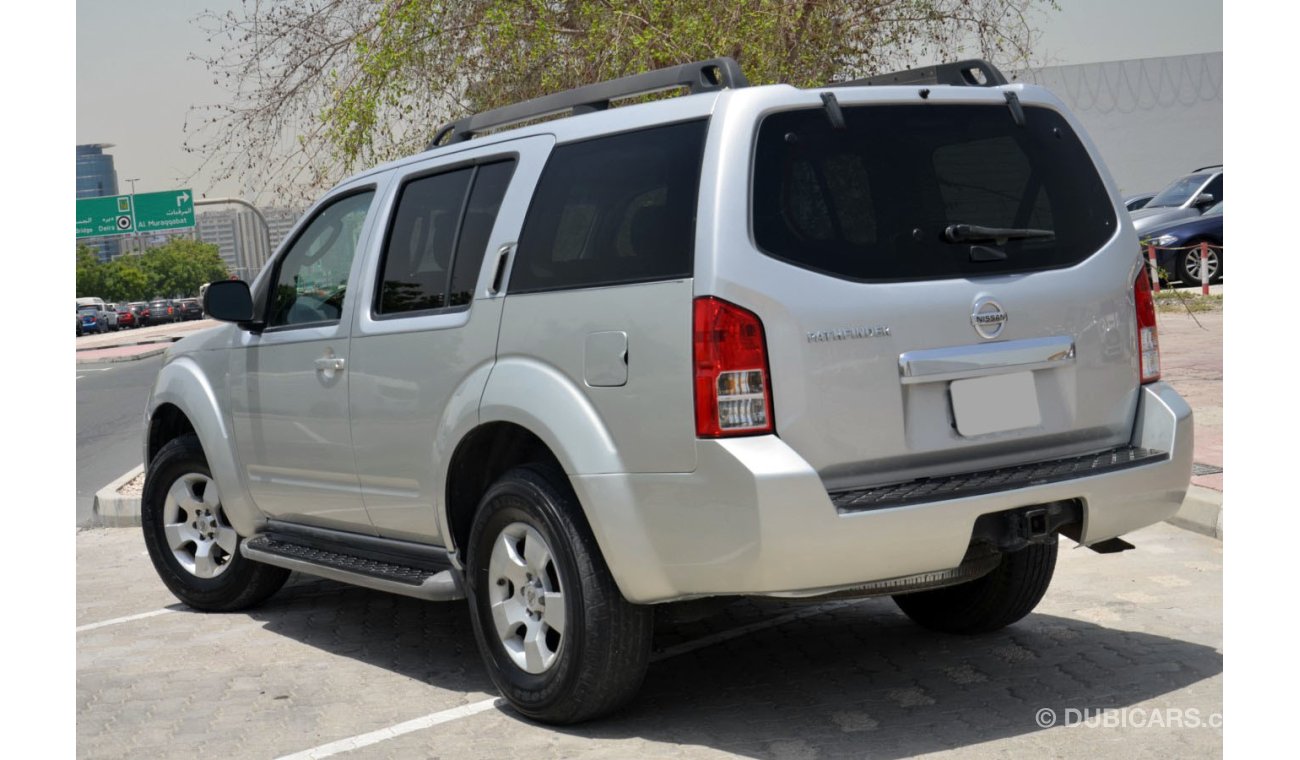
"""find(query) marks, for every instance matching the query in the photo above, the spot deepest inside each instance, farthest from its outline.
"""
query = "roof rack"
(974, 72)
(701, 76)
(1211, 166)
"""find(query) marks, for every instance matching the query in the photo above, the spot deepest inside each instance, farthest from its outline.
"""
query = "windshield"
(88, 310)
(1179, 192)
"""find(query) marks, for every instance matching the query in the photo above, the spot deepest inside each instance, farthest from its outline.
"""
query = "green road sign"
(105, 216)
(170, 210)
(125, 214)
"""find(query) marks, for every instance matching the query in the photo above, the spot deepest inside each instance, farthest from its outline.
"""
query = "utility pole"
(139, 248)
(266, 226)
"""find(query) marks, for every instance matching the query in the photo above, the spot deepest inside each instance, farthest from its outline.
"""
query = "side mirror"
(1204, 199)
(229, 301)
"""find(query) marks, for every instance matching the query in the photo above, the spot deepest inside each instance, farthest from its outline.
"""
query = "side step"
(421, 583)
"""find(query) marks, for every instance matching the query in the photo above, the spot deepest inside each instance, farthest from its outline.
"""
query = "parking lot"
(325, 668)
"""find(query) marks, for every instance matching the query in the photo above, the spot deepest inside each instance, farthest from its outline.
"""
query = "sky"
(136, 81)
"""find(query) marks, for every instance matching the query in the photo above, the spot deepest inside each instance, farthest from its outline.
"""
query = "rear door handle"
(503, 256)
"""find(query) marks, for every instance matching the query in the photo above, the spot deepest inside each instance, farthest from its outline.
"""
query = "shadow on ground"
(818, 682)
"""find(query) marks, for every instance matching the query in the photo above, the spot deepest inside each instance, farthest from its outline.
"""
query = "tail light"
(733, 393)
(1148, 339)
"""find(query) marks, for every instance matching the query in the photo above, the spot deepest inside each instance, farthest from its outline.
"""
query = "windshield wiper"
(973, 233)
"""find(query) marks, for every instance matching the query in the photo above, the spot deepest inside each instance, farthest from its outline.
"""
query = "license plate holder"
(995, 404)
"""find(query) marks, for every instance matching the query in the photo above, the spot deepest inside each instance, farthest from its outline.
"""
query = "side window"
(436, 243)
(490, 185)
(312, 278)
(417, 254)
(613, 210)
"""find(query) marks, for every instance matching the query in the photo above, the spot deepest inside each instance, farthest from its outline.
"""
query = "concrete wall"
(1153, 119)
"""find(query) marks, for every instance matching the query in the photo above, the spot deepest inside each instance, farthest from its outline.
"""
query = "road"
(110, 424)
(1125, 651)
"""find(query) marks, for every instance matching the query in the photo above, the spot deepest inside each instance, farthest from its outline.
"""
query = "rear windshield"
(885, 198)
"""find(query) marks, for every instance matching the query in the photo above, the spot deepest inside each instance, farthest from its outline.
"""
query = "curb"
(1201, 512)
(113, 510)
(112, 359)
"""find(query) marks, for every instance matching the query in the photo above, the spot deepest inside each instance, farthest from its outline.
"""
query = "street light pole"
(266, 226)
(138, 247)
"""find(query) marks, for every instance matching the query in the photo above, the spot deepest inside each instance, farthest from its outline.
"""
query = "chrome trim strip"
(935, 364)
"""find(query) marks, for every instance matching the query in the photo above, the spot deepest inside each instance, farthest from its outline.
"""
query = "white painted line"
(94, 369)
(474, 708)
(384, 734)
(127, 619)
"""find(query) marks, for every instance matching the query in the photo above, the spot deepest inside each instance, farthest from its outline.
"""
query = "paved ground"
(1137, 633)
(1191, 352)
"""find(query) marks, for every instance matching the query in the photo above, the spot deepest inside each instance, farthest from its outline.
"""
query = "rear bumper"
(755, 518)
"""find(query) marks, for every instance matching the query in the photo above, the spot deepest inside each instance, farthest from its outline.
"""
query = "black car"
(1178, 246)
(190, 308)
(163, 311)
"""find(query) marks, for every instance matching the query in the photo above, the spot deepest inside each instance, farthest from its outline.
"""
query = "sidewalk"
(126, 345)
(1192, 359)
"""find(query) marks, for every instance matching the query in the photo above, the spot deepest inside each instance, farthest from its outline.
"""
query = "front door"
(289, 383)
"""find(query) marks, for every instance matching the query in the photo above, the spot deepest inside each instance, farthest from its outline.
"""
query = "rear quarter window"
(613, 210)
(872, 201)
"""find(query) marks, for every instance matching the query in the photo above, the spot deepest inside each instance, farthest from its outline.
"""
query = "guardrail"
(1205, 252)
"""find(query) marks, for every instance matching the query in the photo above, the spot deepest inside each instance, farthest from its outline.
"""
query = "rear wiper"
(973, 233)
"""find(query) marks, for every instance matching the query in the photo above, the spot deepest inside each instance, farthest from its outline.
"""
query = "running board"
(421, 583)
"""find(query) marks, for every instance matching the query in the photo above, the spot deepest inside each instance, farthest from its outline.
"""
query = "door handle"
(329, 363)
(503, 256)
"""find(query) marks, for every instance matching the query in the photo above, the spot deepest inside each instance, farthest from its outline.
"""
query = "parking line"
(383, 734)
(127, 619)
(474, 708)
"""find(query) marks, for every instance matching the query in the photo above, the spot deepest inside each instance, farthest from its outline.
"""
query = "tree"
(325, 86)
(90, 275)
(176, 268)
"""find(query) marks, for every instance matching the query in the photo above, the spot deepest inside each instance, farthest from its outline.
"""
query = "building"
(96, 176)
(239, 237)
(1152, 119)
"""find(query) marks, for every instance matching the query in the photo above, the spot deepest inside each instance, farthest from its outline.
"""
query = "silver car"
(887, 337)
(1185, 198)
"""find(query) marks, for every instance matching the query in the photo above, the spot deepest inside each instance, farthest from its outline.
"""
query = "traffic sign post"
(113, 215)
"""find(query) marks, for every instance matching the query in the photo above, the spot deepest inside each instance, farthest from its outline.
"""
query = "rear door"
(944, 289)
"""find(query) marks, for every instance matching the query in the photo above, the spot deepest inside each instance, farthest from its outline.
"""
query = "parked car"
(125, 316)
(93, 319)
(80, 329)
(1178, 246)
(1135, 202)
(576, 369)
(190, 308)
(107, 315)
(1185, 198)
(141, 311)
(163, 311)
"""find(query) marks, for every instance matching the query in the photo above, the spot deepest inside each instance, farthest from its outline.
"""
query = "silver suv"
(886, 337)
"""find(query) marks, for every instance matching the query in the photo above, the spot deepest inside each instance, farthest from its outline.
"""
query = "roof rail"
(1211, 166)
(700, 76)
(966, 73)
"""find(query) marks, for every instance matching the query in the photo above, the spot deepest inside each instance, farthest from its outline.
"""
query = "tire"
(1189, 265)
(594, 662)
(219, 578)
(994, 601)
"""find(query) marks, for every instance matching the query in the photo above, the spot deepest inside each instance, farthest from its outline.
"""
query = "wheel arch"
(184, 400)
